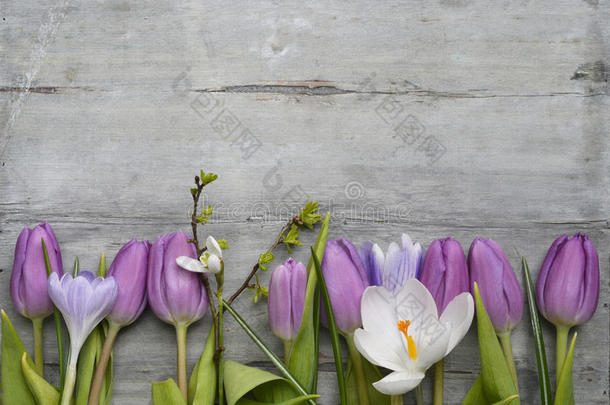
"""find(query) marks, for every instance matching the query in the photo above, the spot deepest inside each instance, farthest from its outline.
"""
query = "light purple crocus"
(29, 277)
(401, 263)
(445, 272)
(498, 284)
(130, 268)
(287, 298)
(346, 280)
(567, 290)
(176, 296)
(83, 301)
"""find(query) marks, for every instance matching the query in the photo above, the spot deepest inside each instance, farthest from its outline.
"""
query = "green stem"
(363, 390)
(439, 369)
(100, 371)
(220, 345)
(396, 400)
(66, 396)
(38, 360)
(419, 395)
(507, 347)
(562, 343)
(181, 358)
(287, 349)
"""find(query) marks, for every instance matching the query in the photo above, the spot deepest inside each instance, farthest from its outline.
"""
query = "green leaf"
(44, 393)
(223, 243)
(475, 395)
(372, 374)
(293, 401)
(86, 366)
(309, 215)
(76, 267)
(59, 334)
(259, 342)
(565, 388)
(166, 393)
(496, 377)
(334, 333)
(544, 380)
(202, 386)
(303, 359)
(507, 400)
(292, 238)
(101, 268)
(265, 258)
(15, 389)
(207, 178)
(240, 380)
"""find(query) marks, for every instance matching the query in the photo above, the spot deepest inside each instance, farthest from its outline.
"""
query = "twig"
(295, 220)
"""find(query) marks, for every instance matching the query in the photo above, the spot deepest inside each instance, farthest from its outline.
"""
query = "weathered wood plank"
(458, 118)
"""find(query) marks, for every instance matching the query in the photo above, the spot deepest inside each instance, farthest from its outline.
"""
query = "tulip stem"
(38, 360)
(220, 347)
(181, 351)
(439, 369)
(66, 396)
(507, 347)
(396, 400)
(419, 395)
(562, 343)
(363, 390)
(287, 349)
(102, 364)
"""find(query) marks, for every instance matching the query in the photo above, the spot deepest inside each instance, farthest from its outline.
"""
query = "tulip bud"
(287, 298)
(346, 280)
(567, 290)
(500, 290)
(445, 273)
(29, 290)
(176, 296)
(129, 269)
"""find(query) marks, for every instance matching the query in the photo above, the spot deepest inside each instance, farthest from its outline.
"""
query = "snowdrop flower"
(83, 301)
(209, 262)
(400, 263)
(403, 332)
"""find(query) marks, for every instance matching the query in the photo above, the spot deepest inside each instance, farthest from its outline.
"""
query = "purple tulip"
(567, 290)
(29, 277)
(445, 273)
(129, 268)
(346, 280)
(287, 298)
(498, 284)
(176, 296)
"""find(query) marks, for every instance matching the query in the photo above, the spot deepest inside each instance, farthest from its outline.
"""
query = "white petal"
(213, 247)
(190, 264)
(458, 315)
(399, 382)
(214, 265)
(431, 342)
(378, 315)
(415, 303)
(378, 350)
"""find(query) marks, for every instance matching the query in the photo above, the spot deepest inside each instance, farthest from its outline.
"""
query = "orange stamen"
(403, 326)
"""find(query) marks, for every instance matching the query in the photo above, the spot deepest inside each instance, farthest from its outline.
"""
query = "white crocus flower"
(403, 332)
(209, 262)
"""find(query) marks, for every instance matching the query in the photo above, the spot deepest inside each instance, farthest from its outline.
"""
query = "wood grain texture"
(449, 117)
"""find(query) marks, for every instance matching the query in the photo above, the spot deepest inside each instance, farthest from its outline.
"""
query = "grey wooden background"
(436, 118)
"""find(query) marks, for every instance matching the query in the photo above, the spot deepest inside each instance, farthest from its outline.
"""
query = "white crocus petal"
(403, 333)
(190, 264)
(213, 248)
(458, 315)
(213, 264)
(399, 382)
